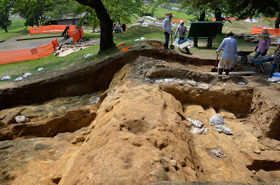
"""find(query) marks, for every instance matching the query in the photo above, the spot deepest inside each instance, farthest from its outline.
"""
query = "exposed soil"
(139, 130)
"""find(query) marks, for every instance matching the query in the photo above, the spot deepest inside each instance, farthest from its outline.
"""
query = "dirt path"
(13, 44)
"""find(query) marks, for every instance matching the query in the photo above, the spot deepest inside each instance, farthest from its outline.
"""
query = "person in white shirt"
(167, 28)
(182, 30)
(230, 48)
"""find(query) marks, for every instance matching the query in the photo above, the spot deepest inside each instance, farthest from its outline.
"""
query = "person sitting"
(118, 28)
(263, 44)
(276, 60)
(182, 30)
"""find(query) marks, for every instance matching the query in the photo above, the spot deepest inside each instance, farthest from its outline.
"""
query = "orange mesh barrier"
(125, 49)
(120, 44)
(259, 30)
(178, 20)
(76, 34)
(21, 55)
(272, 18)
(226, 18)
(49, 29)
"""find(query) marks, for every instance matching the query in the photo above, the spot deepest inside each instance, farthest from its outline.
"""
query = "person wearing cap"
(167, 28)
(263, 44)
(276, 60)
(230, 48)
(182, 30)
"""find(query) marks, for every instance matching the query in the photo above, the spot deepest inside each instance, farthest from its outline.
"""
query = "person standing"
(167, 28)
(263, 44)
(276, 60)
(230, 48)
(182, 30)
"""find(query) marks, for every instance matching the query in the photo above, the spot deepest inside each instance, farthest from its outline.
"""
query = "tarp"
(21, 55)
(259, 30)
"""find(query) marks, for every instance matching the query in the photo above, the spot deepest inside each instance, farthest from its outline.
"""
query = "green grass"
(160, 13)
(16, 29)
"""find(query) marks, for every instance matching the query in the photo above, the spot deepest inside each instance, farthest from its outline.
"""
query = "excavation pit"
(139, 130)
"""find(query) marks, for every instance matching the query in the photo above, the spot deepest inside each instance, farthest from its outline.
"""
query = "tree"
(106, 23)
(5, 7)
(119, 10)
(33, 10)
(62, 8)
(250, 8)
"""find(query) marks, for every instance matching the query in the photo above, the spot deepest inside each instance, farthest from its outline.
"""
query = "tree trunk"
(106, 23)
(6, 30)
(202, 16)
(277, 22)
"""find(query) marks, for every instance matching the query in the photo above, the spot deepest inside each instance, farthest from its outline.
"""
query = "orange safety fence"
(259, 30)
(177, 20)
(49, 29)
(271, 18)
(120, 44)
(226, 18)
(125, 49)
(76, 34)
(21, 55)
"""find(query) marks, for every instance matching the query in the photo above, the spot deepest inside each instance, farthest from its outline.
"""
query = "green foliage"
(33, 10)
(62, 8)
(123, 10)
(5, 6)
(90, 17)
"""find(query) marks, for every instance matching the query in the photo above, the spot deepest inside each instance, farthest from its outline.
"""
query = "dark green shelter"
(204, 30)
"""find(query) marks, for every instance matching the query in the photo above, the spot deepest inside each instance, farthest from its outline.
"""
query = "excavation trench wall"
(80, 80)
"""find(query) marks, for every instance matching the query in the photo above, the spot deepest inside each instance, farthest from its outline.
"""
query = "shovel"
(216, 64)
(171, 46)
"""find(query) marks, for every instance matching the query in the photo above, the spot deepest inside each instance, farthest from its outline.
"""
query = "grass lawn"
(16, 29)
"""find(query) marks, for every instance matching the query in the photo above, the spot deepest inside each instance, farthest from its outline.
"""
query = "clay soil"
(128, 119)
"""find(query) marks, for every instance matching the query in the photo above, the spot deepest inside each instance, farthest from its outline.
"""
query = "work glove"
(217, 52)
(163, 31)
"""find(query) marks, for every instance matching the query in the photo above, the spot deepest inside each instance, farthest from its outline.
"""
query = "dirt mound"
(149, 124)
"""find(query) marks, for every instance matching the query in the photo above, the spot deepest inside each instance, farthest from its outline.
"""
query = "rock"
(257, 151)
(218, 153)
(196, 123)
(21, 119)
(224, 129)
(217, 119)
